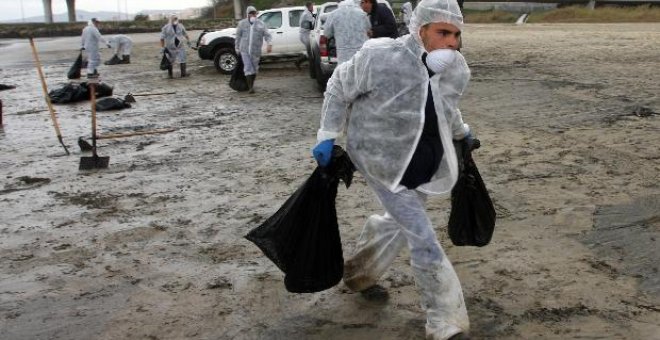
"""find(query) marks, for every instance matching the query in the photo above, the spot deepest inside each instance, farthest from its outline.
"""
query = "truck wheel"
(225, 60)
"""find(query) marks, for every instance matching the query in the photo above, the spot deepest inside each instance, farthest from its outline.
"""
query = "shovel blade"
(94, 162)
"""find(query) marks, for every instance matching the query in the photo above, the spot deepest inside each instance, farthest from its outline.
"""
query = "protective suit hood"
(432, 11)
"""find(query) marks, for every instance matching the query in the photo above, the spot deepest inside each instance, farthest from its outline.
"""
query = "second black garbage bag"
(238, 81)
(472, 217)
(302, 237)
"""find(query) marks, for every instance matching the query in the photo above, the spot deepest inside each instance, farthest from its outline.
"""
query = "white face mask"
(175, 22)
(438, 60)
(252, 19)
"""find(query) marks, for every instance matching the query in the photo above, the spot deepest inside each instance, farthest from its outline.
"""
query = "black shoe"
(460, 336)
(375, 293)
(113, 61)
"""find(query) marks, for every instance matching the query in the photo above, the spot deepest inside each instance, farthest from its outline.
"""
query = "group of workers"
(396, 98)
(171, 43)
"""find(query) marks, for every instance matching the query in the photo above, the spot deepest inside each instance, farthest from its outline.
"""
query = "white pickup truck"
(283, 25)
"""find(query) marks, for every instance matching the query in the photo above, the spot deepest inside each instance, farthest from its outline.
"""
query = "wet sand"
(153, 247)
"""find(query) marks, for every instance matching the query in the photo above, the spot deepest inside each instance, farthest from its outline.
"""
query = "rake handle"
(92, 88)
(53, 117)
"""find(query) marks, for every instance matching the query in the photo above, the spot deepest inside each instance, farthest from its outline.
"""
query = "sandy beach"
(153, 247)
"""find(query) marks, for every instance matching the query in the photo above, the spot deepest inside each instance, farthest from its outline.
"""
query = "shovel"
(53, 117)
(94, 162)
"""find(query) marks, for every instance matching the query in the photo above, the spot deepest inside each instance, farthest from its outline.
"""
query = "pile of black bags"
(74, 92)
(302, 237)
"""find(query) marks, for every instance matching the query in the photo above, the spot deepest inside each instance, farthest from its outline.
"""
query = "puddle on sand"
(630, 233)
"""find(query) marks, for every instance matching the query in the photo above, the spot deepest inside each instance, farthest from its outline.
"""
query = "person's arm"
(100, 38)
(269, 39)
(237, 40)
(162, 37)
(386, 24)
(347, 83)
(114, 42)
(185, 35)
(367, 26)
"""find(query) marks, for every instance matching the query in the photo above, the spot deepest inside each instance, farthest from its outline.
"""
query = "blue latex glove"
(323, 152)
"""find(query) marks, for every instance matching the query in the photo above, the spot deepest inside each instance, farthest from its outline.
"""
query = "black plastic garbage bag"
(74, 71)
(302, 237)
(73, 92)
(111, 103)
(238, 82)
(113, 61)
(165, 61)
(472, 217)
(102, 90)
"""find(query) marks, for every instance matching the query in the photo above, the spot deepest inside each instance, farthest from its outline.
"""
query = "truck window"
(272, 19)
(294, 18)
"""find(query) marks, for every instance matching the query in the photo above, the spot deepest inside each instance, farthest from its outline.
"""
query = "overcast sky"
(11, 9)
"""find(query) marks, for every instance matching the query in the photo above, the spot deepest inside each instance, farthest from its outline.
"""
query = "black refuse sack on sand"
(472, 217)
(238, 82)
(111, 103)
(165, 61)
(74, 71)
(73, 92)
(302, 237)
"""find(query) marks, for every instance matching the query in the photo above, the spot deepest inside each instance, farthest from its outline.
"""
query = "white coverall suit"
(349, 25)
(379, 98)
(173, 36)
(249, 41)
(91, 37)
(121, 44)
(306, 20)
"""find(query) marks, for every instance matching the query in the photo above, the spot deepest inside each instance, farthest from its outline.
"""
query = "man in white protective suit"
(306, 25)
(171, 43)
(349, 25)
(397, 101)
(250, 36)
(90, 40)
(122, 45)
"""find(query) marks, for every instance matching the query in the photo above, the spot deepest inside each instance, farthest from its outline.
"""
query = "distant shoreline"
(42, 30)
